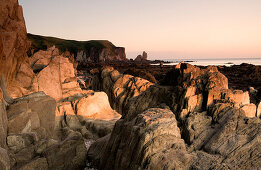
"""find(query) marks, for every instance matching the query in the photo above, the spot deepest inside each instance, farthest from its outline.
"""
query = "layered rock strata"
(191, 121)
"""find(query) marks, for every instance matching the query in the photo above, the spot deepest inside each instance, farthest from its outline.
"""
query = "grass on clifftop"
(42, 43)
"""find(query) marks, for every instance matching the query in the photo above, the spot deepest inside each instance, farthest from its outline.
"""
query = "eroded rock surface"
(191, 121)
(13, 39)
(120, 88)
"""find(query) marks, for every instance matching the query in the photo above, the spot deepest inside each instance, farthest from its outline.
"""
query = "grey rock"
(4, 160)
(3, 125)
(36, 164)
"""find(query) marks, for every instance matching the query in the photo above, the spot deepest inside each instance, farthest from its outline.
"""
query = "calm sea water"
(216, 62)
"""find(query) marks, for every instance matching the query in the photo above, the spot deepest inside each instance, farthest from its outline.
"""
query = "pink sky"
(165, 29)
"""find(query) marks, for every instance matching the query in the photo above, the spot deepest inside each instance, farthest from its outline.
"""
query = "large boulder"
(32, 113)
(69, 154)
(121, 88)
(154, 140)
(250, 110)
(96, 106)
(50, 79)
(43, 57)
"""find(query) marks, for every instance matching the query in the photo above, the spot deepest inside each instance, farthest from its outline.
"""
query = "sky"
(165, 29)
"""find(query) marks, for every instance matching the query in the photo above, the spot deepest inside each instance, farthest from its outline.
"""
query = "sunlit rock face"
(39, 101)
(191, 121)
(13, 44)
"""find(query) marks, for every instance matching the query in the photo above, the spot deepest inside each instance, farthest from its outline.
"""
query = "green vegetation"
(42, 43)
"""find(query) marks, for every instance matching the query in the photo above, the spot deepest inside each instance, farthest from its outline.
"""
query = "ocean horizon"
(216, 62)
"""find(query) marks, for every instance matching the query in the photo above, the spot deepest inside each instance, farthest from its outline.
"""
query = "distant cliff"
(83, 51)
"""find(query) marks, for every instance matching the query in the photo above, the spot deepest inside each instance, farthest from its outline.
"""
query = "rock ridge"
(212, 127)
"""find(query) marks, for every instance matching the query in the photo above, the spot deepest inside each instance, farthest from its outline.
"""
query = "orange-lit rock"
(250, 110)
(97, 107)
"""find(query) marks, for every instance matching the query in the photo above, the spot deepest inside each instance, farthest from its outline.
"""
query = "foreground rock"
(119, 88)
(31, 139)
(151, 137)
(4, 159)
(192, 121)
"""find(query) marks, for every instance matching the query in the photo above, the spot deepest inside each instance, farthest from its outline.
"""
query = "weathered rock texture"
(32, 113)
(119, 87)
(13, 45)
(191, 121)
(34, 132)
(4, 159)
(3, 125)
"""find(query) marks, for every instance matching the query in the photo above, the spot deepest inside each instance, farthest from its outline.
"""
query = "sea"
(216, 62)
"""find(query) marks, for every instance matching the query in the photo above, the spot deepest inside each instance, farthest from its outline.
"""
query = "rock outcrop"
(101, 55)
(13, 45)
(191, 121)
(120, 88)
(145, 141)
(39, 101)
(142, 58)
(29, 136)
(94, 51)
(32, 113)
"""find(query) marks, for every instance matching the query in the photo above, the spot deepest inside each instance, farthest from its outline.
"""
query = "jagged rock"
(218, 134)
(18, 142)
(141, 58)
(13, 40)
(23, 156)
(238, 97)
(73, 122)
(98, 128)
(43, 57)
(50, 79)
(4, 159)
(38, 163)
(24, 122)
(25, 75)
(97, 149)
(153, 139)
(142, 73)
(250, 110)
(31, 113)
(121, 88)
(154, 96)
(236, 139)
(197, 129)
(70, 154)
(3, 125)
(44, 144)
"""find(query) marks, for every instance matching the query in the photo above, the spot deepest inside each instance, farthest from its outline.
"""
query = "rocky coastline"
(62, 109)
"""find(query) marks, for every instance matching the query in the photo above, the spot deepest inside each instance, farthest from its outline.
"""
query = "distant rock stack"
(142, 58)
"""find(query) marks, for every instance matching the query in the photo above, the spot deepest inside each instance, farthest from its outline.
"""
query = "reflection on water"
(226, 61)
